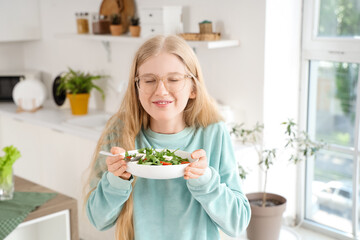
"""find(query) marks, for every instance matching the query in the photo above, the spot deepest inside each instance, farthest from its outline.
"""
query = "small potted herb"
(134, 27)
(78, 85)
(116, 28)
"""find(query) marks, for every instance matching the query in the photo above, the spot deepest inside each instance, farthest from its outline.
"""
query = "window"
(331, 72)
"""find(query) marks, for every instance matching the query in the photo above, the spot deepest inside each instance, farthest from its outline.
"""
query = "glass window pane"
(339, 18)
(329, 190)
(332, 101)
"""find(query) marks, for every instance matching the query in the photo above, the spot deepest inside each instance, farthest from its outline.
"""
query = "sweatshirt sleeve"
(106, 200)
(219, 189)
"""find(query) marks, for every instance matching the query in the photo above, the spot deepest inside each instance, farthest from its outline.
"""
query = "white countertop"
(53, 117)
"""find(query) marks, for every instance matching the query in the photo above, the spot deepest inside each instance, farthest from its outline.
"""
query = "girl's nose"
(161, 89)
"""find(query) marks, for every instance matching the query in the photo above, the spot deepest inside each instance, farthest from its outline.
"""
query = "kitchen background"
(258, 80)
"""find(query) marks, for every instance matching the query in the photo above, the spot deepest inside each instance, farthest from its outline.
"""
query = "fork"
(123, 154)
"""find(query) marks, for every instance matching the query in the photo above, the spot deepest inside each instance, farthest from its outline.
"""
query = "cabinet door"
(19, 20)
(151, 16)
(55, 160)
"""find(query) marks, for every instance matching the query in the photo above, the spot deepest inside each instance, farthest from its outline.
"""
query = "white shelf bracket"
(106, 45)
(194, 49)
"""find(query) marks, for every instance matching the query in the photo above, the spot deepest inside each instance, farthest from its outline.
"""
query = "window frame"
(325, 49)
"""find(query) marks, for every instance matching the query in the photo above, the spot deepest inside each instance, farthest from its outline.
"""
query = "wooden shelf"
(139, 40)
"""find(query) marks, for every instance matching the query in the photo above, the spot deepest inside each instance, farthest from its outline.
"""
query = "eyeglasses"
(173, 82)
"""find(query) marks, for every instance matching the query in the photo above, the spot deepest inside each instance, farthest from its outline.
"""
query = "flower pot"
(116, 30)
(79, 103)
(135, 31)
(265, 222)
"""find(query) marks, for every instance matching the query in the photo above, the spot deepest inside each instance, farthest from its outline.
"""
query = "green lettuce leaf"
(6, 162)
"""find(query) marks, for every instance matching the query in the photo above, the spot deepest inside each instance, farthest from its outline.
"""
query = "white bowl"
(159, 171)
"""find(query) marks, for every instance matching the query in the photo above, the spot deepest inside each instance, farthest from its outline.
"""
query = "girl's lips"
(162, 103)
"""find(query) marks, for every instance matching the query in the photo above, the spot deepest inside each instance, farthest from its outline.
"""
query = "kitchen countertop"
(55, 118)
(59, 203)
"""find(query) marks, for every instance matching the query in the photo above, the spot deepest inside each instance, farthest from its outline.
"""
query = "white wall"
(281, 91)
(11, 56)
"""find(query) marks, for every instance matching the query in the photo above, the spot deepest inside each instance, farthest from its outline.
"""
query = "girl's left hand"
(196, 169)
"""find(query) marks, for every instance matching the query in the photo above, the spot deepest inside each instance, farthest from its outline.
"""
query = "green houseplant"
(267, 208)
(78, 85)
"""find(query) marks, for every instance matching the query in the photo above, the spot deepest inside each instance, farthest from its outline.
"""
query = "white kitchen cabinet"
(53, 159)
(161, 20)
(19, 20)
(55, 226)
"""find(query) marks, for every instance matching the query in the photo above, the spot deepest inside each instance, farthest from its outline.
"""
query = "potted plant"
(78, 85)
(267, 208)
(116, 28)
(134, 27)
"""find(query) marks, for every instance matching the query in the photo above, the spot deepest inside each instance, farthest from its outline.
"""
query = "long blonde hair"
(131, 116)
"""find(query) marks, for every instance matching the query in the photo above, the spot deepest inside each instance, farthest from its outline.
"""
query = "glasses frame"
(158, 78)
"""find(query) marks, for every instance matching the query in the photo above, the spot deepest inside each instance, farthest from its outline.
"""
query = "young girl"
(166, 106)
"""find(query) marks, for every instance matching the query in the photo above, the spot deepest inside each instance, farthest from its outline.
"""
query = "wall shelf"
(138, 40)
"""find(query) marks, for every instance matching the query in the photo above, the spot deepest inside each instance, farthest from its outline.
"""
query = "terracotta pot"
(265, 222)
(116, 30)
(135, 31)
(79, 103)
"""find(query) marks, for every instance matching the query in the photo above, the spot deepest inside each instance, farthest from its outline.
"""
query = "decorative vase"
(6, 184)
(265, 222)
(79, 103)
(135, 31)
(116, 30)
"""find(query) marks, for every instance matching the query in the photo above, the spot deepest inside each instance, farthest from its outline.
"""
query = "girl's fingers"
(200, 153)
(117, 150)
(201, 163)
(191, 175)
(115, 166)
(119, 172)
(126, 175)
(195, 171)
(112, 160)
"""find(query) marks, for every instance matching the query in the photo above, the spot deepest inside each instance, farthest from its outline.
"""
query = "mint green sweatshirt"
(178, 208)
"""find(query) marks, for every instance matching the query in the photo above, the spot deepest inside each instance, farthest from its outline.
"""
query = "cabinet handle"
(18, 120)
(57, 130)
(150, 15)
(152, 30)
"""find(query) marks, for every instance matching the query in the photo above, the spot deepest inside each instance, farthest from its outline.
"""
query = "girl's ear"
(192, 94)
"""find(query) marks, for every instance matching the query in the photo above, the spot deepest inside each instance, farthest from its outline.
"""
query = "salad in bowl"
(158, 163)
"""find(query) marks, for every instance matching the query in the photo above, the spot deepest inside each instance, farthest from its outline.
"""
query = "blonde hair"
(131, 116)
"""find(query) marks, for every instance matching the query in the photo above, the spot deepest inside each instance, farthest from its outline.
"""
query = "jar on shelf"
(100, 24)
(82, 22)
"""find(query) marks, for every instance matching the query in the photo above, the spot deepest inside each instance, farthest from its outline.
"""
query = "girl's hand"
(196, 169)
(117, 165)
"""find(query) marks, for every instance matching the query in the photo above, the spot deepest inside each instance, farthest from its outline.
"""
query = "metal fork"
(123, 154)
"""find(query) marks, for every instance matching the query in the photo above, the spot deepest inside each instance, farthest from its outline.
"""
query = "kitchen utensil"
(29, 94)
(59, 99)
(109, 7)
(123, 154)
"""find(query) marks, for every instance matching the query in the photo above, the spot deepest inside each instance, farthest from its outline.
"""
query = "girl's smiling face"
(165, 107)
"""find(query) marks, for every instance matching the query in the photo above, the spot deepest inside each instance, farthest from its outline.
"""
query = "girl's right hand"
(117, 165)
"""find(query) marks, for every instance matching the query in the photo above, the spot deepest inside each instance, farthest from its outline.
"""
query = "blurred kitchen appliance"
(8, 80)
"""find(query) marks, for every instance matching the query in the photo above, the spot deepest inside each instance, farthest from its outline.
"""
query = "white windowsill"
(288, 233)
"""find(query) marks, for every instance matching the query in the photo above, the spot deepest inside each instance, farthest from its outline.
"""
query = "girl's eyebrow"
(146, 74)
